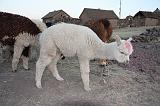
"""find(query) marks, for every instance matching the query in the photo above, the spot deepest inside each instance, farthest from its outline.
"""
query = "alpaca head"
(123, 49)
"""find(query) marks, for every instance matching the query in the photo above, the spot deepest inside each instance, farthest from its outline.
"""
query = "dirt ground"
(133, 84)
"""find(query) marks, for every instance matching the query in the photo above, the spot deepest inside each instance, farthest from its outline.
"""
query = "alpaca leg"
(47, 54)
(25, 57)
(6, 53)
(25, 62)
(41, 64)
(53, 68)
(17, 54)
(84, 68)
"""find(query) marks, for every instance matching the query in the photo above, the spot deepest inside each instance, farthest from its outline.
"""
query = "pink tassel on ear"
(129, 46)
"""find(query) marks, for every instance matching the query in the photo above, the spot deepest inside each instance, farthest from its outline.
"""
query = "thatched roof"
(99, 13)
(147, 14)
(157, 10)
(53, 14)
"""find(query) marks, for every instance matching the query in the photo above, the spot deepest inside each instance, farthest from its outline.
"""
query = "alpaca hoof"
(38, 85)
(27, 69)
(60, 79)
(87, 89)
(102, 82)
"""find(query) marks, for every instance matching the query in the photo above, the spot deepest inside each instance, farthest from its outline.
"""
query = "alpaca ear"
(118, 40)
(130, 39)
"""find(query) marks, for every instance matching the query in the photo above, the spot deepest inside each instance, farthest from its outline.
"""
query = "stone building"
(145, 18)
(58, 16)
(95, 14)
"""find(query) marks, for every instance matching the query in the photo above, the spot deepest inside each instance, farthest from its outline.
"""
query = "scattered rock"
(151, 35)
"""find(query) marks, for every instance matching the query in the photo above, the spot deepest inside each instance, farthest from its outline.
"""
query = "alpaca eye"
(123, 53)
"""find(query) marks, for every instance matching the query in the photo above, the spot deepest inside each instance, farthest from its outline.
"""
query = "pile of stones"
(150, 35)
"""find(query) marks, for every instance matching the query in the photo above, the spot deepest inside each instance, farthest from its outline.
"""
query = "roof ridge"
(99, 13)
(53, 13)
(96, 9)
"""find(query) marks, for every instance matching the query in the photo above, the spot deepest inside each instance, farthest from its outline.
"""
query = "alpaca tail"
(42, 26)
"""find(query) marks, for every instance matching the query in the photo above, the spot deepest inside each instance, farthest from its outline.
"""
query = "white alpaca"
(72, 40)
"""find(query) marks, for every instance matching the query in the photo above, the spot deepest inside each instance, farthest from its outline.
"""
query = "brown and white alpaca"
(103, 29)
(20, 33)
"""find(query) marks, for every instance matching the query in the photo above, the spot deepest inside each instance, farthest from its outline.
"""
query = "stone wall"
(151, 22)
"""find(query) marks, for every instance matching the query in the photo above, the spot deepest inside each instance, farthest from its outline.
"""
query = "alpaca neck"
(106, 51)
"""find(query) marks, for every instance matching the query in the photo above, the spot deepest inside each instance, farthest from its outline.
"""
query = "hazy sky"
(38, 8)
